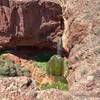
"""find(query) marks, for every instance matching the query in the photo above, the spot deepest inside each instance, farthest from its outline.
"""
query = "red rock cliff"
(29, 22)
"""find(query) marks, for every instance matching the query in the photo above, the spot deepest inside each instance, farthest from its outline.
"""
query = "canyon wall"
(82, 41)
(29, 22)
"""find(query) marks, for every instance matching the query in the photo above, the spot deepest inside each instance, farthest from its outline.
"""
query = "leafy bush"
(7, 68)
(42, 65)
(55, 66)
(25, 72)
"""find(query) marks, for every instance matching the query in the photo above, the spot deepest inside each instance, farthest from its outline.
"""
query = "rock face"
(82, 17)
(82, 41)
(29, 22)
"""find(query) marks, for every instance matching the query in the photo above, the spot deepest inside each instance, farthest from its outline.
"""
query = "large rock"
(83, 34)
(29, 22)
(82, 17)
(82, 41)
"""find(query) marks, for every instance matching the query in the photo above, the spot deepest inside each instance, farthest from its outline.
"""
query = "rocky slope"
(23, 88)
(82, 41)
(14, 88)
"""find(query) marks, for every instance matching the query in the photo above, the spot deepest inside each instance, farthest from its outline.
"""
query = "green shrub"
(41, 60)
(25, 72)
(7, 68)
(60, 79)
(55, 66)
(42, 65)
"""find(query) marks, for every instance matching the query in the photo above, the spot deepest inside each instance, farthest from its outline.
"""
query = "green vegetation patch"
(9, 69)
(60, 83)
(56, 66)
(41, 59)
(47, 61)
(53, 65)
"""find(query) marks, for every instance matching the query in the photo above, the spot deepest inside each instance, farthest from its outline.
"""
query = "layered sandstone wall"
(29, 22)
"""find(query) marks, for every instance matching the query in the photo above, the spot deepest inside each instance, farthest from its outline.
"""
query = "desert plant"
(66, 68)
(55, 66)
(25, 72)
(7, 68)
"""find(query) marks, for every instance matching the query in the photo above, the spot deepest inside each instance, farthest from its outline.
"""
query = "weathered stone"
(82, 41)
(82, 18)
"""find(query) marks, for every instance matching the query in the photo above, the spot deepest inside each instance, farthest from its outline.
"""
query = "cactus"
(55, 66)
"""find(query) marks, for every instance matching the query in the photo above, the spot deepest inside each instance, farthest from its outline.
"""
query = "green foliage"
(42, 65)
(66, 68)
(58, 85)
(7, 68)
(60, 79)
(25, 72)
(58, 65)
(55, 66)
(41, 59)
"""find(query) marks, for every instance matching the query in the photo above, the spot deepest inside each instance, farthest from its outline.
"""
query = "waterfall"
(19, 22)
(59, 47)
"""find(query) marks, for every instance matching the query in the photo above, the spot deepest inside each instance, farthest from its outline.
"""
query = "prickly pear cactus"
(55, 66)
